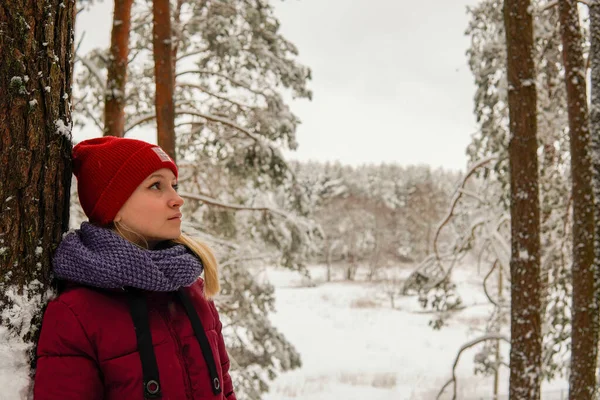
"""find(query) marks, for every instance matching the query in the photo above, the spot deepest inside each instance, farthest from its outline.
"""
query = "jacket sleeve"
(66, 366)
(227, 383)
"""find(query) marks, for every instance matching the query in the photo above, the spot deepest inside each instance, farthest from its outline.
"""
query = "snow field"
(355, 346)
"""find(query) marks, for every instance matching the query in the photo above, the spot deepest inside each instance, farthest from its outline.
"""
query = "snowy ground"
(355, 346)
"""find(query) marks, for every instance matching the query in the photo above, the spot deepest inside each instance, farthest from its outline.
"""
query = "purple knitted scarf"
(101, 258)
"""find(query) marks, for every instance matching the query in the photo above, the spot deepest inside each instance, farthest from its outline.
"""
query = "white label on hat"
(161, 154)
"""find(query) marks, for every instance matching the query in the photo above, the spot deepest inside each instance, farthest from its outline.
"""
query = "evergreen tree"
(526, 334)
(116, 79)
(36, 48)
(584, 331)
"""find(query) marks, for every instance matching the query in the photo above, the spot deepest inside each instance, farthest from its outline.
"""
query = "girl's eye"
(155, 186)
(176, 187)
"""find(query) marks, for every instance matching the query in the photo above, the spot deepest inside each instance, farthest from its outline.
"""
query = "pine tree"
(164, 76)
(526, 335)
(36, 48)
(594, 58)
(584, 331)
(114, 104)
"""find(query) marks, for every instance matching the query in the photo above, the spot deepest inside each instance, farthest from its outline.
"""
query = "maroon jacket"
(88, 348)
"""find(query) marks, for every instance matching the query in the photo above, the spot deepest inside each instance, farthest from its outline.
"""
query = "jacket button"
(216, 383)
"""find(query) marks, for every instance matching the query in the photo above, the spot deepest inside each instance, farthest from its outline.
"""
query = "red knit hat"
(109, 169)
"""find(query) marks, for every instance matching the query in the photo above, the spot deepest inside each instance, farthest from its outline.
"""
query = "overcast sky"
(390, 78)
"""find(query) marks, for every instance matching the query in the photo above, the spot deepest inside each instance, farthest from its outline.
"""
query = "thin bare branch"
(79, 43)
(493, 336)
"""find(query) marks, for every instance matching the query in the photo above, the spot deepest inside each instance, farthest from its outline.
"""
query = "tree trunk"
(526, 341)
(36, 49)
(164, 76)
(114, 105)
(177, 37)
(584, 326)
(595, 134)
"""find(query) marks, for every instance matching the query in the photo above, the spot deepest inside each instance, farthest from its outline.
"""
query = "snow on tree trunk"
(584, 331)
(114, 106)
(526, 339)
(36, 49)
(164, 76)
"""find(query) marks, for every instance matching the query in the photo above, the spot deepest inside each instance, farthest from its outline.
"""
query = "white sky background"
(390, 78)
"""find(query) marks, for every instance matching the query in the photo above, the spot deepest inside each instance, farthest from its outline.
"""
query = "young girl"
(134, 319)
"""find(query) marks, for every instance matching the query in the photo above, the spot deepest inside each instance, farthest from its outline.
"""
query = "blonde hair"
(206, 255)
(201, 250)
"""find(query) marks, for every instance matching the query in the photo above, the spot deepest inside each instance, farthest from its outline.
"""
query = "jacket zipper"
(186, 378)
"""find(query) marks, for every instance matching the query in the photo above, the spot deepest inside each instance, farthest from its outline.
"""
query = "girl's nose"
(176, 200)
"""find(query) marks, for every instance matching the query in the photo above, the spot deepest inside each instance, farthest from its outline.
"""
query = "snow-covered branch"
(98, 124)
(554, 3)
(458, 194)
(233, 81)
(149, 117)
(472, 195)
(210, 93)
(223, 121)
(191, 54)
(247, 258)
(197, 231)
(237, 207)
(94, 71)
(492, 336)
(142, 119)
(485, 290)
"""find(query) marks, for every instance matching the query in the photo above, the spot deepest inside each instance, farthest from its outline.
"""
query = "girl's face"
(151, 213)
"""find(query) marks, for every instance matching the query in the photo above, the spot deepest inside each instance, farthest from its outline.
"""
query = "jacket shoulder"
(77, 296)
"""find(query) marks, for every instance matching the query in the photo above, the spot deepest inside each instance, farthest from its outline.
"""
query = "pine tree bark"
(164, 76)
(526, 336)
(595, 135)
(114, 101)
(36, 49)
(584, 135)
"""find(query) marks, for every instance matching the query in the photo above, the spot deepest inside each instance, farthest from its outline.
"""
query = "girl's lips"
(178, 216)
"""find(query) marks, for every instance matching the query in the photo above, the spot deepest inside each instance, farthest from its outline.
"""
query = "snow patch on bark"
(16, 318)
(14, 365)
